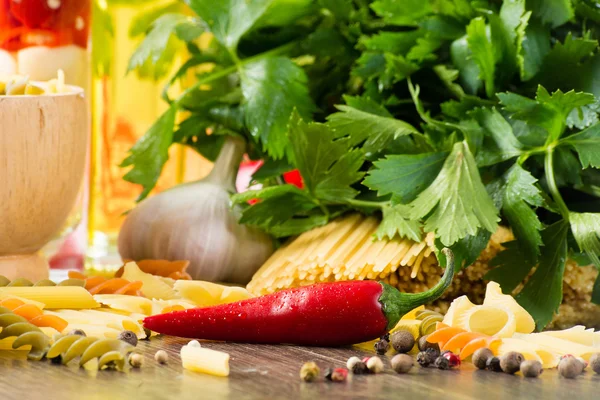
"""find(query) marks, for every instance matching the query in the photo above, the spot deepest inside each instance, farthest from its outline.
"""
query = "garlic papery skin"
(195, 222)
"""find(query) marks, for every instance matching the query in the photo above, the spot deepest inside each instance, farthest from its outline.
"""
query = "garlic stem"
(225, 168)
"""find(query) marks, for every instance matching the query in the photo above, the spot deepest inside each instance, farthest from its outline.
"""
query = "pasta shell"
(496, 321)
(495, 297)
(459, 306)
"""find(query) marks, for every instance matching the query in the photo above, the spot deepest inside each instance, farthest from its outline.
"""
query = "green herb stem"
(549, 171)
(366, 203)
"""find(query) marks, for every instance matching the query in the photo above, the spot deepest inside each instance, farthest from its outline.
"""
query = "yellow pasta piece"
(52, 297)
(490, 320)
(101, 318)
(457, 308)
(531, 351)
(412, 314)
(205, 294)
(495, 297)
(154, 287)
(558, 345)
(578, 334)
(162, 306)
(199, 359)
(24, 300)
(95, 331)
(131, 304)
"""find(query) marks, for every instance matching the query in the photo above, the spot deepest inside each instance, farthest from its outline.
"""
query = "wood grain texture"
(271, 372)
(43, 144)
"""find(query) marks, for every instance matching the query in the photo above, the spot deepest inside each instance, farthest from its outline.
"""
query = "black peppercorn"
(427, 357)
(402, 363)
(511, 362)
(595, 363)
(128, 337)
(570, 367)
(441, 363)
(481, 356)
(77, 332)
(402, 341)
(493, 364)
(360, 368)
(531, 368)
(382, 346)
(328, 373)
(424, 344)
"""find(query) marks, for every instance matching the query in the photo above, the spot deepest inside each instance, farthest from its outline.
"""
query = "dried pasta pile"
(18, 85)
(345, 249)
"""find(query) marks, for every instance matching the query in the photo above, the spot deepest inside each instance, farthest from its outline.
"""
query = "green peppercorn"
(424, 344)
(595, 363)
(531, 368)
(402, 341)
(493, 364)
(128, 337)
(511, 362)
(442, 363)
(570, 367)
(309, 371)
(481, 356)
(77, 332)
(161, 357)
(402, 363)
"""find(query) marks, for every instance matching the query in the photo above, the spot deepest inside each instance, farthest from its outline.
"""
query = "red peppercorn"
(453, 359)
(339, 375)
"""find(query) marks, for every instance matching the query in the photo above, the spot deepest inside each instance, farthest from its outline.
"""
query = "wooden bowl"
(43, 143)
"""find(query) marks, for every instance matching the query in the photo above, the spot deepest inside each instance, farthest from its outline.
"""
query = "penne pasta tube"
(199, 359)
(53, 297)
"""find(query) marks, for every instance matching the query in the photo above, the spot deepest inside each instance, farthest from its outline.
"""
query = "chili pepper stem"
(396, 304)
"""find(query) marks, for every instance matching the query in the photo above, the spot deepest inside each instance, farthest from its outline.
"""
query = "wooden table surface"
(271, 372)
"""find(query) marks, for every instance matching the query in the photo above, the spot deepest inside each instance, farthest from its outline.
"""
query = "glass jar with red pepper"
(39, 37)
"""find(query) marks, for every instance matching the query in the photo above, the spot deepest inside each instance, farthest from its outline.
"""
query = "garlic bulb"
(195, 222)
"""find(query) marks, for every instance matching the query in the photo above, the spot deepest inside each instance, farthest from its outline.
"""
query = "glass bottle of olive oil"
(123, 108)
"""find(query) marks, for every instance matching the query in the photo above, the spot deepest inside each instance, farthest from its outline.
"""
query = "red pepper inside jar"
(39, 37)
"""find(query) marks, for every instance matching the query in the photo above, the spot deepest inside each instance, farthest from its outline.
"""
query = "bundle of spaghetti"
(168, 269)
(345, 249)
(102, 285)
(22, 282)
(461, 341)
(33, 314)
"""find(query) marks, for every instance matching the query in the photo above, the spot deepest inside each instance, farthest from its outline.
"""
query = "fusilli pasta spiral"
(108, 352)
(26, 333)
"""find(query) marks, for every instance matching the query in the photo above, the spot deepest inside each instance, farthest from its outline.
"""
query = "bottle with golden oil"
(124, 106)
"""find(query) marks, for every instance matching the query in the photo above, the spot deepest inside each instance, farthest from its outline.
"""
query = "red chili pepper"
(325, 314)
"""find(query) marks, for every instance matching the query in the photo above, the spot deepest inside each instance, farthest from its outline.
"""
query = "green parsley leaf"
(456, 204)
(542, 294)
(374, 130)
(483, 52)
(192, 132)
(340, 8)
(396, 221)
(586, 230)
(512, 267)
(467, 250)
(397, 68)
(229, 20)
(462, 58)
(277, 207)
(150, 153)
(403, 13)
(328, 166)
(448, 76)
(271, 169)
(506, 146)
(391, 42)
(405, 176)
(533, 44)
(584, 116)
(587, 145)
(521, 193)
(272, 88)
(552, 12)
(155, 55)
